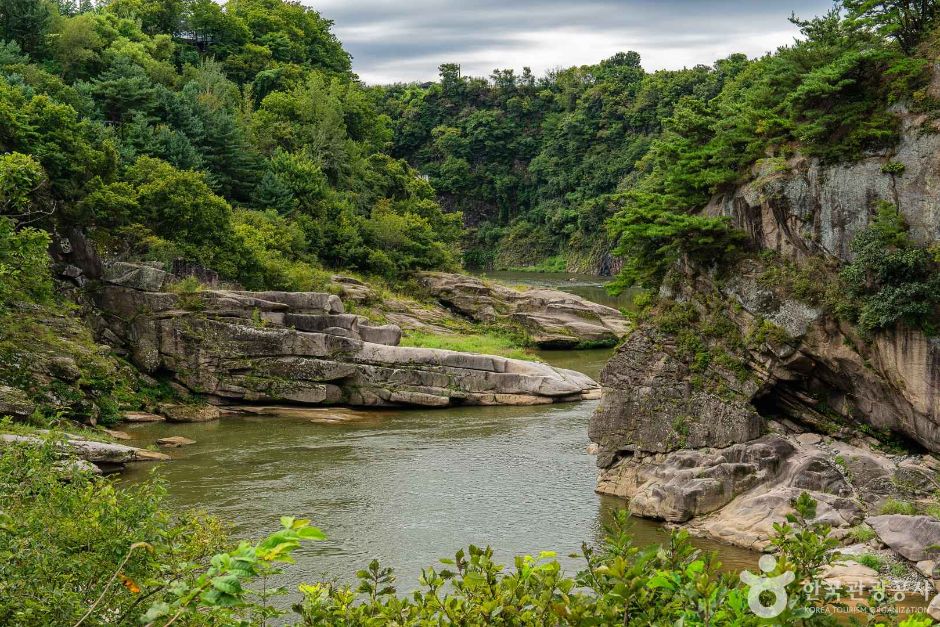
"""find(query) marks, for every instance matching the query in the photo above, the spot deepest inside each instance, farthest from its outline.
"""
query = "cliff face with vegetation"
(808, 363)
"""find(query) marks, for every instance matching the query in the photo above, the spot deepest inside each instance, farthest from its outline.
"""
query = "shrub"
(875, 562)
(892, 279)
(72, 543)
(895, 506)
(24, 264)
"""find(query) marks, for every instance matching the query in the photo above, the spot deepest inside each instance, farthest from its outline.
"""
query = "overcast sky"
(405, 40)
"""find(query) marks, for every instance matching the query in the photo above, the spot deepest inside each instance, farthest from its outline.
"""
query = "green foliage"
(150, 121)
(24, 265)
(895, 506)
(891, 279)
(905, 21)
(653, 241)
(546, 161)
(489, 344)
(875, 562)
(862, 533)
(73, 545)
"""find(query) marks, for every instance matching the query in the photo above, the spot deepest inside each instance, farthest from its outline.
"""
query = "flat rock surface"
(141, 416)
(552, 318)
(175, 441)
(302, 348)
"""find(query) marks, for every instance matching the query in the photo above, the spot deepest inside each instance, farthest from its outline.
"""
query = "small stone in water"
(175, 441)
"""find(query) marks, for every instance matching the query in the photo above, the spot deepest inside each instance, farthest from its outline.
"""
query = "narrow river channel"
(406, 486)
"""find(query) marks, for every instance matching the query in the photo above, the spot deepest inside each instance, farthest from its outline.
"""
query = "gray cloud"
(405, 40)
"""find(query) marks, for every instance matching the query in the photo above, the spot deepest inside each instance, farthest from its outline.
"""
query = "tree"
(905, 21)
(26, 22)
(21, 180)
(123, 90)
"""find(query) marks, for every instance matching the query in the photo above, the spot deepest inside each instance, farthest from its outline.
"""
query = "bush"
(892, 279)
(24, 265)
(72, 543)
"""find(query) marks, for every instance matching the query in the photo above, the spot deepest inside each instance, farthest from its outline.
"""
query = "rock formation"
(105, 456)
(264, 347)
(732, 396)
(551, 318)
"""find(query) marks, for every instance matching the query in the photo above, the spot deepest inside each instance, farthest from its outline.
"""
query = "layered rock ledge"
(732, 399)
(551, 318)
(269, 347)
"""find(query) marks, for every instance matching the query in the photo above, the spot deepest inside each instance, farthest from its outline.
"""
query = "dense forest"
(539, 165)
(237, 138)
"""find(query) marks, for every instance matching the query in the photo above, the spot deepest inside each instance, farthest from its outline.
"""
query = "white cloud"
(392, 41)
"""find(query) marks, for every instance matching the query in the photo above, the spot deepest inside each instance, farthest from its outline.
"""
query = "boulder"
(118, 435)
(850, 574)
(914, 537)
(190, 413)
(137, 276)
(553, 319)
(141, 416)
(733, 494)
(175, 441)
(15, 403)
(933, 609)
(93, 451)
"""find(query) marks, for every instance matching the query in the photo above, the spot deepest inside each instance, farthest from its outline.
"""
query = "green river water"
(407, 486)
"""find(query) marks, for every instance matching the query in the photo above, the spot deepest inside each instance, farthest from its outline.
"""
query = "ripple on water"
(406, 487)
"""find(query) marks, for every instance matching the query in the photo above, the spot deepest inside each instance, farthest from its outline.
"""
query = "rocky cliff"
(550, 318)
(236, 346)
(734, 394)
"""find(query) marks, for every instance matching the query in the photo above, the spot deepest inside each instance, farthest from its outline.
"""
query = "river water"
(406, 486)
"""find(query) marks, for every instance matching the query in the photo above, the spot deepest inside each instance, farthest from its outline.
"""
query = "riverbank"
(408, 486)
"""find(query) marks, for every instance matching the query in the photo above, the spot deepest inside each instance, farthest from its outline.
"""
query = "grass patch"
(896, 506)
(875, 562)
(862, 533)
(558, 263)
(469, 343)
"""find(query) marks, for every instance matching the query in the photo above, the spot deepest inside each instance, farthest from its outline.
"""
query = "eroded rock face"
(802, 207)
(302, 348)
(553, 319)
(735, 494)
(650, 404)
(911, 536)
(687, 445)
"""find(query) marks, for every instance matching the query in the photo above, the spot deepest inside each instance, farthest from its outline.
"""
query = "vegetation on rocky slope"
(539, 165)
(236, 137)
(85, 551)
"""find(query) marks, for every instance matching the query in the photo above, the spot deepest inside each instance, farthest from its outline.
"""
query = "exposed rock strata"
(551, 318)
(104, 455)
(803, 207)
(735, 494)
(707, 433)
(266, 347)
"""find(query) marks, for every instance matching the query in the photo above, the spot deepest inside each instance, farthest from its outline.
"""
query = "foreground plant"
(78, 550)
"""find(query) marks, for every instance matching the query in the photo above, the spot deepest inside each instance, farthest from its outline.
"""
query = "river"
(406, 486)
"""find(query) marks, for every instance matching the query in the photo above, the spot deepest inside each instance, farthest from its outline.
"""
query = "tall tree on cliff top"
(905, 21)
